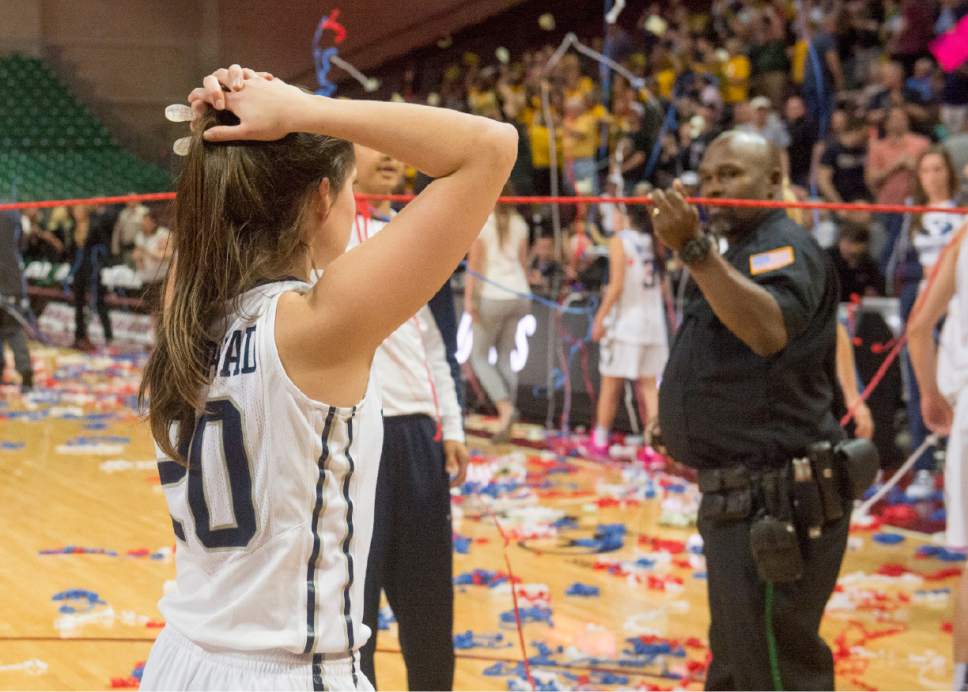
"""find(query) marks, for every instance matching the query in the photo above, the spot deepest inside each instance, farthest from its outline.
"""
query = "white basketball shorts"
(177, 663)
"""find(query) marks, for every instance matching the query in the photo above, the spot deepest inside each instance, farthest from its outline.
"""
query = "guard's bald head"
(740, 165)
(751, 147)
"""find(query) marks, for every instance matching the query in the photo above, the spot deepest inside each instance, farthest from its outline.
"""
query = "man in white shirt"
(423, 455)
(126, 230)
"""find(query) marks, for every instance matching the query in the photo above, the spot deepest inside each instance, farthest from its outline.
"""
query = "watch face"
(695, 249)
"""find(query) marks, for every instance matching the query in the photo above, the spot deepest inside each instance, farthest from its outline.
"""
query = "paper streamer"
(325, 58)
(951, 48)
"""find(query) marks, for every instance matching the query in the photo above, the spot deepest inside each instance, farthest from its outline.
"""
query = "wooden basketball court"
(611, 587)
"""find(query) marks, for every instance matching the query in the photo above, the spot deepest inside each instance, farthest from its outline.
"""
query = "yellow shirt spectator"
(736, 87)
(540, 145)
(799, 63)
(665, 80)
(580, 138)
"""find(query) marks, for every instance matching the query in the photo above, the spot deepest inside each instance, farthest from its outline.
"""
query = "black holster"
(731, 494)
(860, 462)
(727, 494)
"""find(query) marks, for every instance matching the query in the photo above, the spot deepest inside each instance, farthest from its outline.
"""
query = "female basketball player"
(271, 490)
(942, 375)
(630, 324)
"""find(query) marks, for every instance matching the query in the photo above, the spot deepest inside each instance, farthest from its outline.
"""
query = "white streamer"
(368, 84)
(929, 441)
(571, 40)
(616, 10)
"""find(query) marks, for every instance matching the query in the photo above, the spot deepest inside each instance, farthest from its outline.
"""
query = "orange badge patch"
(771, 261)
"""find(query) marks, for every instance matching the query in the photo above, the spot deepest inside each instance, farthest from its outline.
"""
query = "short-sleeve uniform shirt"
(720, 403)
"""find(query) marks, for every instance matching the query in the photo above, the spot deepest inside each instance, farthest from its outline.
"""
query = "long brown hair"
(920, 195)
(239, 221)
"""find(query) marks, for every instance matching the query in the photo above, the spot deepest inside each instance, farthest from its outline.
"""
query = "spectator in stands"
(841, 173)
(893, 93)
(48, 239)
(496, 306)
(542, 264)
(539, 141)
(957, 147)
(92, 240)
(954, 100)
(803, 139)
(766, 123)
(736, 73)
(859, 272)
(152, 255)
(817, 65)
(916, 32)
(768, 55)
(126, 231)
(13, 298)
(922, 83)
(580, 145)
(861, 40)
(890, 171)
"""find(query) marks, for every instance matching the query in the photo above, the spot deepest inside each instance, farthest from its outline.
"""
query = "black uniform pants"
(411, 554)
(737, 604)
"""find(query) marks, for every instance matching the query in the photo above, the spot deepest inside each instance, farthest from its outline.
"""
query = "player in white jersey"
(411, 555)
(942, 375)
(261, 404)
(630, 325)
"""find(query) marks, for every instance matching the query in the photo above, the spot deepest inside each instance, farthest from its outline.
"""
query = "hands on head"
(263, 104)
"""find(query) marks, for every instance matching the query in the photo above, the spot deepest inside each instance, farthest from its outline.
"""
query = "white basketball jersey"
(274, 514)
(953, 349)
(637, 317)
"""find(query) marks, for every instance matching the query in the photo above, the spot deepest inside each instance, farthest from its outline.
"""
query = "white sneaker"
(922, 487)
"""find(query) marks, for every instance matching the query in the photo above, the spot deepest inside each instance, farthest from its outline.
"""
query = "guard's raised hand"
(673, 218)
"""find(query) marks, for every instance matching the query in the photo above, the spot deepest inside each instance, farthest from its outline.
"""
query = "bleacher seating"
(52, 147)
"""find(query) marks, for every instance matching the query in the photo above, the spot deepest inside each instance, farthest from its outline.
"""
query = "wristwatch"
(695, 249)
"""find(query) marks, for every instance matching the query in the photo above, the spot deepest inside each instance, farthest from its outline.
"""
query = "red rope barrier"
(705, 201)
(514, 599)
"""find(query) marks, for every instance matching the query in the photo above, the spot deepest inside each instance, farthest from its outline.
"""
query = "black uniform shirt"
(720, 403)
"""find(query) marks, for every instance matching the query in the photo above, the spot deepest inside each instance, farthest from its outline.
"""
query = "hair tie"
(180, 113)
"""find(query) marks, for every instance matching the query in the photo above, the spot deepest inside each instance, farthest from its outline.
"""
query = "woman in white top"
(942, 375)
(496, 298)
(271, 491)
(915, 255)
(152, 254)
(630, 325)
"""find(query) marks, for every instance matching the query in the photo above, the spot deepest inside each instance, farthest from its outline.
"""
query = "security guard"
(746, 399)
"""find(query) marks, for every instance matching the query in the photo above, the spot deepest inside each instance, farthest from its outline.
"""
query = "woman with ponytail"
(259, 394)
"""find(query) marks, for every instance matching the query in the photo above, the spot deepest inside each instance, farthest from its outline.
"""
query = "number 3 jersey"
(637, 316)
(274, 513)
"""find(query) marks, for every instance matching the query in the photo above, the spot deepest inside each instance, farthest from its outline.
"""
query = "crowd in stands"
(847, 90)
(95, 250)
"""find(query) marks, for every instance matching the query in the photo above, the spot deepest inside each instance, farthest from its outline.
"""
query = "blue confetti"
(385, 618)
(462, 544)
(91, 597)
(888, 538)
(535, 614)
(940, 553)
(579, 589)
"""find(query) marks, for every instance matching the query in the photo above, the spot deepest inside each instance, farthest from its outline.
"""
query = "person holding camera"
(747, 399)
